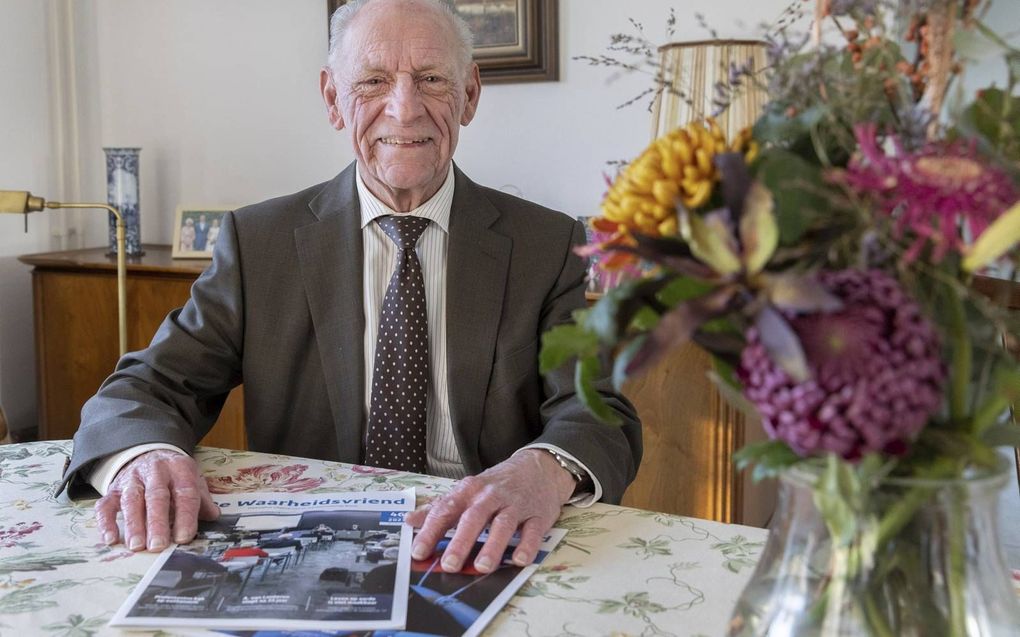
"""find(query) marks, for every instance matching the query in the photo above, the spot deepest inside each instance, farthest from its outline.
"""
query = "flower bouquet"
(830, 260)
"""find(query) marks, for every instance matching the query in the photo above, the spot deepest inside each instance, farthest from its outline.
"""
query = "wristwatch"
(582, 480)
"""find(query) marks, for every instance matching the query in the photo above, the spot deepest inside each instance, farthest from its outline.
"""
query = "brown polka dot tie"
(396, 420)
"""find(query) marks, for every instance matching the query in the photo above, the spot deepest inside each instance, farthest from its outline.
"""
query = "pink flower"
(266, 477)
(876, 372)
(934, 193)
(12, 536)
(116, 556)
(372, 471)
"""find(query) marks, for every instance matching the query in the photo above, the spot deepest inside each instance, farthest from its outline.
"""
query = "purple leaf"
(734, 182)
(782, 344)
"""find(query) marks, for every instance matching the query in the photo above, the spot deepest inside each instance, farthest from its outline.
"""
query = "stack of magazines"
(336, 564)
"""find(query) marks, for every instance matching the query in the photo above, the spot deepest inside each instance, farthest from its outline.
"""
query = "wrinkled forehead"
(414, 40)
(404, 54)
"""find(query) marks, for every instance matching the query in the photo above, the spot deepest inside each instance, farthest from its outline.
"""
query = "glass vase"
(923, 560)
(122, 193)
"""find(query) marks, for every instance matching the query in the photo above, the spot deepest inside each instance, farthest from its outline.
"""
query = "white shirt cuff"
(581, 500)
(107, 468)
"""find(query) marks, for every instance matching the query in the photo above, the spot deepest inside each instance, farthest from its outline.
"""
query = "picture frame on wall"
(196, 230)
(515, 40)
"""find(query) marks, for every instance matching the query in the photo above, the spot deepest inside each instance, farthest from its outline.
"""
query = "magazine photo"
(284, 561)
(442, 604)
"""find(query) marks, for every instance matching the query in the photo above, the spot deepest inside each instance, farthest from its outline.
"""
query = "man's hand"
(526, 491)
(150, 489)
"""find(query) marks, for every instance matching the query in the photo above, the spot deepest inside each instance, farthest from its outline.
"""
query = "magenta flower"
(266, 477)
(13, 535)
(372, 471)
(876, 375)
(934, 193)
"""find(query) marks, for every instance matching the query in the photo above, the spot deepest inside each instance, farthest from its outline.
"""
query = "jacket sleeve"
(172, 391)
(611, 452)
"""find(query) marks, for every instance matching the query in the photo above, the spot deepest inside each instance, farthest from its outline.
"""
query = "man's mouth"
(404, 141)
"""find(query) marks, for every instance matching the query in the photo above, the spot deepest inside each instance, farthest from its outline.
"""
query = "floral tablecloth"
(619, 571)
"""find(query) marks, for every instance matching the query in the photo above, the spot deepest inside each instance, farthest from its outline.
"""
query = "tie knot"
(403, 230)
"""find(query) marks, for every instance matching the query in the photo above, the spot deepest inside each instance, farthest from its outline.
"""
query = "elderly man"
(390, 316)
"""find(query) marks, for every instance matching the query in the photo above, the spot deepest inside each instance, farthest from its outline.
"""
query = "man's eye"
(432, 79)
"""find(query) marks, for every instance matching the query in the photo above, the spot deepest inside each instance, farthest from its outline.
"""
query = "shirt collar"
(436, 209)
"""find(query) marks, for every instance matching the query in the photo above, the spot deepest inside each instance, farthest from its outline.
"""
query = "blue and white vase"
(122, 193)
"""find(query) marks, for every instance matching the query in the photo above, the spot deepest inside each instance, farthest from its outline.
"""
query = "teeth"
(393, 140)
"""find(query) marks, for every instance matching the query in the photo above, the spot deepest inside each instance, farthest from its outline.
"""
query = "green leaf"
(769, 457)
(776, 128)
(683, 289)
(645, 320)
(42, 561)
(997, 239)
(609, 606)
(1006, 434)
(711, 240)
(563, 343)
(787, 175)
(587, 371)
(961, 446)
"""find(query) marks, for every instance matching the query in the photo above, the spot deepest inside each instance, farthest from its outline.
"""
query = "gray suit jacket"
(280, 309)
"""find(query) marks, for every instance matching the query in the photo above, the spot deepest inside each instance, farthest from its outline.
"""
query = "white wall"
(26, 163)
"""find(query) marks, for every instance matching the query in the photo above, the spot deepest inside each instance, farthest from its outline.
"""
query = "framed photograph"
(515, 40)
(196, 229)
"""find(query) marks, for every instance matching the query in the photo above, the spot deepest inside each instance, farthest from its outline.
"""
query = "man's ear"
(473, 89)
(328, 90)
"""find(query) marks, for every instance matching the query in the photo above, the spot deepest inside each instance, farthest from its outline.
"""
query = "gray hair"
(342, 17)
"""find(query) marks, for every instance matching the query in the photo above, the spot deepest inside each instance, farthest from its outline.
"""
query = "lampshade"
(692, 70)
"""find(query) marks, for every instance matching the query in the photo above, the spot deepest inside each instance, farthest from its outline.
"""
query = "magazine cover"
(284, 561)
(442, 604)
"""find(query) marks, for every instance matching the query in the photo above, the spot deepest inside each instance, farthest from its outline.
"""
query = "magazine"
(284, 561)
(442, 604)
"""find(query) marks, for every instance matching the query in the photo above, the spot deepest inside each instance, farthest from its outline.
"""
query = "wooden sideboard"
(75, 297)
(690, 432)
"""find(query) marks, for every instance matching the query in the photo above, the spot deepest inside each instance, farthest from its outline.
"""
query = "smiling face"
(404, 93)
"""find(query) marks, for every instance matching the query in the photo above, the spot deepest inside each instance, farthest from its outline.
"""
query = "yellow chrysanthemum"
(677, 167)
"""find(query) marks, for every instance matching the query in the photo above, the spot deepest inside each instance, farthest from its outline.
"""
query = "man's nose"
(405, 103)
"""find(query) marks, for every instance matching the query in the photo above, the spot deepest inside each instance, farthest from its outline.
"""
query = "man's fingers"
(187, 502)
(500, 531)
(472, 522)
(157, 508)
(132, 503)
(532, 532)
(442, 516)
(106, 517)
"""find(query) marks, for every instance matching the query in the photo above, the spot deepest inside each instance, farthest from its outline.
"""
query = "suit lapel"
(478, 262)
(330, 252)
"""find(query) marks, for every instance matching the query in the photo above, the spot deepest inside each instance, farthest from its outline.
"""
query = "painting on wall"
(515, 40)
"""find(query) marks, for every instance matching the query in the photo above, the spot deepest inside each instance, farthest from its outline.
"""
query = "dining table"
(618, 571)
